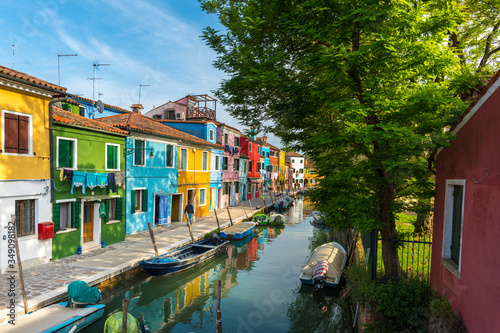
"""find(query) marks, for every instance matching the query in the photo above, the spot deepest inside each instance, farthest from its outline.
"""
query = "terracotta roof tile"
(19, 75)
(244, 156)
(66, 117)
(142, 123)
(292, 154)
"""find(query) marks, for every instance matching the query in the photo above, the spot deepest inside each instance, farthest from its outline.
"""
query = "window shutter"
(169, 156)
(75, 214)
(132, 201)
(11, 133)
(106, 205)
(119, 209)
(145, 200)
(23, 135)
(64, 154)
(56, 216)
(457, 221)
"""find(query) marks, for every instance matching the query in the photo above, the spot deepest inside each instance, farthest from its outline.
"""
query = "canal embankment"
(47, 283)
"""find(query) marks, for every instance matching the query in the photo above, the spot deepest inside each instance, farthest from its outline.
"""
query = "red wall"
(475, 157)
(253, 156)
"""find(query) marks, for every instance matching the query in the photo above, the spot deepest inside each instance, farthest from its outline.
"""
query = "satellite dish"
(100, 106)
(58, 105)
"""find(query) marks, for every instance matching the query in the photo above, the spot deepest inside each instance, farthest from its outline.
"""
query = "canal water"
(261, 291)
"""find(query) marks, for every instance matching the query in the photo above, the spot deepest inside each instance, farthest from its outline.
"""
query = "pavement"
(46, 284)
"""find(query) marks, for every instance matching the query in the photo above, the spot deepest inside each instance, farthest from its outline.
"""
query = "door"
(176, 207)
(213, 198)
(219, 197)
(232, 198)
(88, 221)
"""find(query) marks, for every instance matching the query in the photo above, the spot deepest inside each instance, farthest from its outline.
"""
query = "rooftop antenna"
(13, 47)
(59, 66)
(93, 86)
(140, 86)
(99, 94)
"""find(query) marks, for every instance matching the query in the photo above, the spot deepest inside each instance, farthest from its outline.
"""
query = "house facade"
(251, 148)
(25, 164)
(243, 175)
(273, 167)
(466, 228)
(229, 137)
(282, 172)
(297, 163)
(89, 197)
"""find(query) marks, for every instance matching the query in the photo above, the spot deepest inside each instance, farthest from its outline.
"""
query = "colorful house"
(251, 148)
(310, 174)
(89, 169)
(466, 226)
(243, 174)
(229, 137)
(264, 163)
(191, 107)
(88, 108)
(25, 164)
(273, 167)
(282, 172)
(297, 165)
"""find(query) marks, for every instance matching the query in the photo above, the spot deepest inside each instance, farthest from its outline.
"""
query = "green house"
(88, 165)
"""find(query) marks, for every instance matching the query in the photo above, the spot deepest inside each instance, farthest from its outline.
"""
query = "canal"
(261, 291)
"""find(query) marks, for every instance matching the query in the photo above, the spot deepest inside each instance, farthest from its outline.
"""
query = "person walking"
(190, 211)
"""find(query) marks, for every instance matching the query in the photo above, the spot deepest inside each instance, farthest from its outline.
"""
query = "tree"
(363, 87)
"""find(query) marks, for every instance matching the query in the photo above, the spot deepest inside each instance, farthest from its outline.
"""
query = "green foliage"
(440, 307)
(406, 218)
(207, 235)
(399, 306)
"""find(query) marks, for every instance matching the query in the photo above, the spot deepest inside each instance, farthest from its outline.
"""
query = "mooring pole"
(217, 219)
(228, 213)
(219, 314)
(19, 264)
(189, 227)
(152, 235)
(125, 314)
(243, 204)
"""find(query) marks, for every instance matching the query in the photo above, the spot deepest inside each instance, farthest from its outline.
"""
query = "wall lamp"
(130, 151)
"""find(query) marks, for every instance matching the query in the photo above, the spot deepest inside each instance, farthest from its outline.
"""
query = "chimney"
(136, 108)
(264, 138)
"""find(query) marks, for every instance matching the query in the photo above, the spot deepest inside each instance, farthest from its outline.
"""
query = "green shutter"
(106, 204)
(119, 209)
(145, 200)
(64, 160)
(169, 156)
(458, 191)
(56, 216)
(138, 152)
(75, 214)
(112, 160)
(132, 202)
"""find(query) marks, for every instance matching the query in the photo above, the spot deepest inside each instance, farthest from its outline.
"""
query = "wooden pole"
(19, 265)
(251, 208)
(125, 314)
(261, 204)
(228, 213)
(243, 204)
(189, 227)
(152, 235)
(219, 314)
(217, 219)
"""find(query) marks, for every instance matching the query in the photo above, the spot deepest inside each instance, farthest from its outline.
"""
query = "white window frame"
(74, 167)
(211, 135)
(180, 159)
(30, 133)
(68, 229)
(199, 197)
(106, 157)
(448, 226)
(204, 158)
(141, 207)
(217, 162)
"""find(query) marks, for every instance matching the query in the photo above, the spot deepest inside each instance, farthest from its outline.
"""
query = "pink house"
(229, 137)
(465, 257)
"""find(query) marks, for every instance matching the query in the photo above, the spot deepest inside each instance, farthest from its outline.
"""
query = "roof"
(106, 105)
(66, 117)
(225, 125)
(28, 78)
(244, 156)
(139, 106)
(142, 123)
(71, 101)
(292, 154)
(194, 121)
(309, 164)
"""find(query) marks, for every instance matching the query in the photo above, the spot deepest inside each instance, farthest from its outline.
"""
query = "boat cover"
(327, 252)
(79, 291)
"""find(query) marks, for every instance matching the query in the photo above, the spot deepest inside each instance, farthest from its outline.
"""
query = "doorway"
(177, 207)
(88, 221)
(213, 198)
(162, 209)
(219, 197)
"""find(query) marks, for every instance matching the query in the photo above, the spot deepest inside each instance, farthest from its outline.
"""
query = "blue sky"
(150, 42)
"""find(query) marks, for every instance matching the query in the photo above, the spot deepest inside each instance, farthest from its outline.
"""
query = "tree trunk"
(423, 225)
(390, 255)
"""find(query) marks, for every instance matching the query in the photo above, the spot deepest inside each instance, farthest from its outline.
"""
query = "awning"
(97, 197)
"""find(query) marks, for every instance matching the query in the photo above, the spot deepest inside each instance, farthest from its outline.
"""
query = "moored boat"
(184, 257)
(56, 318)
(277, 220)
(238, 231)
(260, 219)
(325, 266)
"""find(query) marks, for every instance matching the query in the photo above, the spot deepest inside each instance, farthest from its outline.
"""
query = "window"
(258, 149)
(139, 152)
(211, 135)
(66, 153)
(217, 162)
(249, 166)
(258, 166)
(183, 163)
(139, 200)
(17, 133)
(225, 188)
(226, 138)
(204, 161)
(244, 167)
(25, 217)
(169, 156)
(293, 160)
(453, 219)
(224, 163)
(236, 141)
(236, 165)
(249, 146)
(203, 196)
(169, 114)
(157, 116)
(301, 161)
(111, 209)
(65, 215)
(267, 154)
(301, 170)
(112, 157)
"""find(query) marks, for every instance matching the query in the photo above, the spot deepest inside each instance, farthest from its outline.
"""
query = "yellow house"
(310, 176)
(282, 171)
(194, 177)
(25, 172)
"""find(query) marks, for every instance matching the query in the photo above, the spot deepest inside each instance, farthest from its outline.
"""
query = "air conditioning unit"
(180, 116)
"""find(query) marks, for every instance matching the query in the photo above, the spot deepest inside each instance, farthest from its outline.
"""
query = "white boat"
(336, 257)
(55, 318)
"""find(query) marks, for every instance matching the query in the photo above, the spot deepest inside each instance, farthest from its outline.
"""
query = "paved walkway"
(47, 283)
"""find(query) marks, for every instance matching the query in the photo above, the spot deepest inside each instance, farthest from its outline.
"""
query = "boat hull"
(330, 252)
(239, 234)
(183, 257)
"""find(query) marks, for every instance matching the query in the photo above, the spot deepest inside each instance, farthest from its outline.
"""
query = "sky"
(145, 42)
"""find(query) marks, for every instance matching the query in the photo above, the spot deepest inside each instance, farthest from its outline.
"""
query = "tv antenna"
(59, 66)
(93, 86)
(140, 86)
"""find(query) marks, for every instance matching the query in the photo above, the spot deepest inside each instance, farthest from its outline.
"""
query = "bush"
(401, 306)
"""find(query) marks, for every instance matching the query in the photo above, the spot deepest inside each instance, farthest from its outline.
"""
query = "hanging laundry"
(61, 175)
(68, 175)
(111, 181)
(79, 179)
(102, 209)
(102, 180)
(91, 180)
(120, 178)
